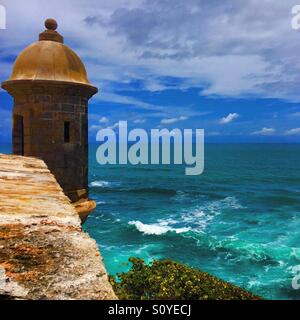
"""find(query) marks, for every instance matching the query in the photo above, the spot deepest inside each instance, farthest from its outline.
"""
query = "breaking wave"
(157, 228)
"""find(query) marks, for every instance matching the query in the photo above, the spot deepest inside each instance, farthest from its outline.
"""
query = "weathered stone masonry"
(43, 252)
(44, 111)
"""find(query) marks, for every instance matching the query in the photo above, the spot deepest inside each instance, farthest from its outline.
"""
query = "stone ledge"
(44, 254)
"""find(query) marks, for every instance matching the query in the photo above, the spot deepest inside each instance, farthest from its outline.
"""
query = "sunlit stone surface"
(43, 252)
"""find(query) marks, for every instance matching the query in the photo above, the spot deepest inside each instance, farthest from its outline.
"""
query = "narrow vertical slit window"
(67, 132)
(22, 136)
(18, 135)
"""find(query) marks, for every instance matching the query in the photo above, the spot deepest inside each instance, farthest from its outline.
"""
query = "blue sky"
(231, 67)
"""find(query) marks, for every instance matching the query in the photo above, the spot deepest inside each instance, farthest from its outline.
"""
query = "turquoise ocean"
(239, 220)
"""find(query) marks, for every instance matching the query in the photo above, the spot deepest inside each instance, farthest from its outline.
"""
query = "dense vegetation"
(169, 280)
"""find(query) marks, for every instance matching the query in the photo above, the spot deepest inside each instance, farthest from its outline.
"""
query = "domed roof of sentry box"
(49, 59)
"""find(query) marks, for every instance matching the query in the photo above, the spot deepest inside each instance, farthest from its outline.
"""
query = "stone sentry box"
(50, 117)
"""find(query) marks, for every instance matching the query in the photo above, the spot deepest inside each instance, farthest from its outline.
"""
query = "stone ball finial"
(51, 24)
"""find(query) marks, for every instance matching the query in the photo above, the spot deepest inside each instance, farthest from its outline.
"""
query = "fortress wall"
(44, 254)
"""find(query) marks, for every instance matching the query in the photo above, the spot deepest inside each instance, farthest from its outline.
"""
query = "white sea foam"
(199, 217)
(254, 283)
(102, 184)
(156, 229)
(231, 202)
(295, 253)
(101, 202)
(217, 206)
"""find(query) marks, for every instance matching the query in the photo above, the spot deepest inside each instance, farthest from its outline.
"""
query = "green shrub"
(169, 280)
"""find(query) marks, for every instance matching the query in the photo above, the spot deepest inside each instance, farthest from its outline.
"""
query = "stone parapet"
(44, 254)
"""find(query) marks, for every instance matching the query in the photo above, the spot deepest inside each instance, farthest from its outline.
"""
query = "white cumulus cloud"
(292, 132)
(265, 132)
(231, 117)
(104, 120)
(173, 120)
